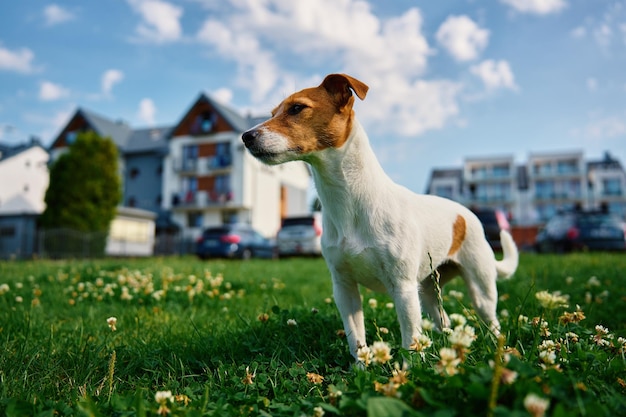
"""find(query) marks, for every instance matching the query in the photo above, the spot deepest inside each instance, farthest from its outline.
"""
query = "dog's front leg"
(348, 300)
(408, 309)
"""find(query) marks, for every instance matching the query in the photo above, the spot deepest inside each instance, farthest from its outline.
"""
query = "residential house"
(197, 173)
(24, 170)
(607, 184)
(210, 178)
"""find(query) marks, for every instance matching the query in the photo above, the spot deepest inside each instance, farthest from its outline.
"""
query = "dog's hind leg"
(480, 279)
(430, 292)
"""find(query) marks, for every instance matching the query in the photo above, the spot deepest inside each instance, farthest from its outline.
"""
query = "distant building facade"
(197, 173)
(532, 192)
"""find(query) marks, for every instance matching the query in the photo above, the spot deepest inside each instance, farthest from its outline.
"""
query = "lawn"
(177, 336)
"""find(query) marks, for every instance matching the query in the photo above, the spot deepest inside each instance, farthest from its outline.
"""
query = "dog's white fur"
(378, 233)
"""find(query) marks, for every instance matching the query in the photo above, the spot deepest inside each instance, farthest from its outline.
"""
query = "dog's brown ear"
(340, 86)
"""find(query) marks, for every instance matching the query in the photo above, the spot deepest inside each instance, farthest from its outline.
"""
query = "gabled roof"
(228, 119)
(148, 140)
(7, 151)
(83, 119)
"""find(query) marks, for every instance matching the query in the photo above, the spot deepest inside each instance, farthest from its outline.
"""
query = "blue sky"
(448, 79)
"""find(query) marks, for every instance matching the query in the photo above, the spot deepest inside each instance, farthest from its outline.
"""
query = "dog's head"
(306, 122)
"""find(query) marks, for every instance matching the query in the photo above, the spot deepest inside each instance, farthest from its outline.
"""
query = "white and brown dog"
(378, 233)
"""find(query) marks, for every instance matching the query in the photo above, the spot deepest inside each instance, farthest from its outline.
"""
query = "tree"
(85, 187)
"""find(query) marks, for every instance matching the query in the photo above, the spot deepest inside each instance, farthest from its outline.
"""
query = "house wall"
(143, 181)
(18, 236)
(25, 174)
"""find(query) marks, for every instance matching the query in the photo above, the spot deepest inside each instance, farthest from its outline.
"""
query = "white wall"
(26, 175)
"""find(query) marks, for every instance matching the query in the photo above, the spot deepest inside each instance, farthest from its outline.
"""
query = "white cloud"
(605, 127)
(462, 38)
(592, 84)
(19, 60)
(579, 32)
(54, 14)
(223, 95)
(390, 55)
(109, 79)
(539, 7)
(49, 91)
(147, 111)
(495, 74)
(160, 20)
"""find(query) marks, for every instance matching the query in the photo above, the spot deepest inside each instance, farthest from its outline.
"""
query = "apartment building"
(196, 173)
(533, 191)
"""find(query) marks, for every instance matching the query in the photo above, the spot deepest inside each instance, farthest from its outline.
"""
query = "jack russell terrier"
(376, 232)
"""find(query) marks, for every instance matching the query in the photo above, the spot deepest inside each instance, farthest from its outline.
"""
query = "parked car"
(582, 230)
(493, 220)
(234, 241)
(300, 236)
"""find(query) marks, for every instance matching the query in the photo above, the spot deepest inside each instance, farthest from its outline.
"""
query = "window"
(190, 157)
(130, 230)
(7, 231)
(134, 173)
(70, 137)
(194, 219)
(611, 186)
(132, 202)
(204, 123)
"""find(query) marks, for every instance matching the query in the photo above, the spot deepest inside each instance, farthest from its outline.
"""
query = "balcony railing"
(206, 164)
(200, 199)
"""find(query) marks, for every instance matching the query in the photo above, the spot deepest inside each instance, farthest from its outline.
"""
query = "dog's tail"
(507, 266)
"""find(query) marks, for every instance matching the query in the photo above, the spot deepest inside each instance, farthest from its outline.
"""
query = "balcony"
(204, 165)
(201, 199)
(186, 166)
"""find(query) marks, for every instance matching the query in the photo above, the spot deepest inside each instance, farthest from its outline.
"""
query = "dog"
(377, 233)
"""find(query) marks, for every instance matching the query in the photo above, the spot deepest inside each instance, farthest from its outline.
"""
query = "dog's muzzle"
(250, 137)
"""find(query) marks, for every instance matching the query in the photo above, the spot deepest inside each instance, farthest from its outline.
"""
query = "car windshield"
(597, 220)
(216, 231)
(298, 221)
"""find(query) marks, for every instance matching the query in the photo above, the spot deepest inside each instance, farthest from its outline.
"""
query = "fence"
(72, 244)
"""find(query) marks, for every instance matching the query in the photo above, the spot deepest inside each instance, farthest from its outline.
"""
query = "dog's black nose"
(249, 137)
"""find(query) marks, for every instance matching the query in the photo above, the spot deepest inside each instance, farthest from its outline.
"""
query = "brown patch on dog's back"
(458, 235)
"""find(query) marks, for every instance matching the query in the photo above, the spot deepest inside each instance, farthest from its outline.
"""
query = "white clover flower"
(457, 295)
(292, 323)
(381, 352)
(112, 321)
(372, 303)
(457, 320)
(389, 306)
(427, 325)
(162, 397)
(548, 357)
(4, 288)
(421, 343)
(552, 300)
(536, 405)
(364, 355)
(462, 336)
(593, 282)
(449, 362)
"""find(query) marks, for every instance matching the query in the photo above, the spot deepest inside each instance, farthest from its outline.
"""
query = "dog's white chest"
(367, 265)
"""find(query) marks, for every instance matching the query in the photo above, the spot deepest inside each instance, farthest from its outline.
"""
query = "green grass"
(225, 346)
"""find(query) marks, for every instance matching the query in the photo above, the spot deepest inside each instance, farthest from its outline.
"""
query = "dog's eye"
(295, 109)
